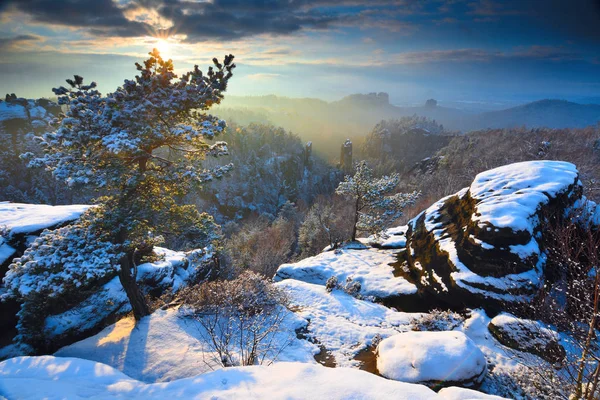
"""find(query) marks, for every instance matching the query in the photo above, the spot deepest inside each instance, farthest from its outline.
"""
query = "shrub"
(240, 320)
(437, 320)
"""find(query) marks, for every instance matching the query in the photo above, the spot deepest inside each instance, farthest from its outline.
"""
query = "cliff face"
(484, 245)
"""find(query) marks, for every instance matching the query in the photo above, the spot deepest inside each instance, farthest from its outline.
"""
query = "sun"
(164, 47)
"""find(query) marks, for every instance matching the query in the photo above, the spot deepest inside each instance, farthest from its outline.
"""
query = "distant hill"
(543, 113)
(328, 124)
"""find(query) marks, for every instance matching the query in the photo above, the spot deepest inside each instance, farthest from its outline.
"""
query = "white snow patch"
(370, 267)
(343, 324)
(431, 356)
(11, 111)
(166, 346)
(509, 196)
(458, 393)
(26, 218)
(72, 378)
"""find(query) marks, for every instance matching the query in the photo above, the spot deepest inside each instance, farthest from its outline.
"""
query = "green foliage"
(375, 203)
(116, 144)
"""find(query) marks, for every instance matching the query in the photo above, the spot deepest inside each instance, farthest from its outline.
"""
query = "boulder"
(433, 358)
(528, 336)
(483, 246)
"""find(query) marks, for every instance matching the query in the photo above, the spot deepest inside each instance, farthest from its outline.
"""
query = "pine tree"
(142, 147)
(374, 204)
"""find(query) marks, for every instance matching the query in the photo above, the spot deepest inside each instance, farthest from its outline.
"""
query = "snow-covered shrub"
(57, 270)
(437, 320)
(239, 319)
(350, 286)
(375, 204)
(332, 283)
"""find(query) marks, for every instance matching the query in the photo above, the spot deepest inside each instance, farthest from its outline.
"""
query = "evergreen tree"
(374, 204)
(143, 147)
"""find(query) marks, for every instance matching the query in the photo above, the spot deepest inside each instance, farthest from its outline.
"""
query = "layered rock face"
(483, 246)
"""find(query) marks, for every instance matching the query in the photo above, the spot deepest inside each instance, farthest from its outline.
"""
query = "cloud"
(19, 42)
(263, 76)
(200, 21)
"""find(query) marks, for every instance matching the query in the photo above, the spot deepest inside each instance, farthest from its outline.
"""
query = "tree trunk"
(134, 294)
(355, 220)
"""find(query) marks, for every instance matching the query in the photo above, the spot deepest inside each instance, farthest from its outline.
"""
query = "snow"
(28, 218)
(166, 346)
(370, 267)
(170, 272)
(483, 187)
(110, 299)
(341, 323)
(501, 359)
(531, 334)
(6, 250)
(509, 196)
(57, 378)
(431, 356)
(457, 393)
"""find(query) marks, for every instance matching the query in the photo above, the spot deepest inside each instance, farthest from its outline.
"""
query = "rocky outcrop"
(435, 359)
(528, 336)
(484, 246)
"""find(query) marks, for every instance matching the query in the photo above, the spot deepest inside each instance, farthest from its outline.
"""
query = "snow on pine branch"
(104, 138)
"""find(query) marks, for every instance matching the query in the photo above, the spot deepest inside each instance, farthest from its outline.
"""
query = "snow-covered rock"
(527, 335)
(73, 378)
(20, 218)
(434, 358)
(340, 323)
(22, 115)
(109, 301)
(483, 245)
(370, 267)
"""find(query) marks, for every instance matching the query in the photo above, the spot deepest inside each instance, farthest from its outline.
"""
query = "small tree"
(142, 146)
(241, 320)
(375, 207)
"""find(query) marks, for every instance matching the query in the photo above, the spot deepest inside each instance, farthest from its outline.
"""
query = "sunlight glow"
(164, 47)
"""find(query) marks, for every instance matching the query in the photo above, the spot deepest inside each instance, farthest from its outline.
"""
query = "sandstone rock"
(433, 358)
(483, 246)
(528, 336)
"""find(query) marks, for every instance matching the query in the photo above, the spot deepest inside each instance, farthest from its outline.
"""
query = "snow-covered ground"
(29, 218)
(71, 378)
(341, 323)
(371, 267)
(166, 346)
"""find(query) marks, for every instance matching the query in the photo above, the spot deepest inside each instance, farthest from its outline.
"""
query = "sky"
(468, 51)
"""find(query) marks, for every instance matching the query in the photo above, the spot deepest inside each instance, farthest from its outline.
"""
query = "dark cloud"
(217, 19)
(11, 43)
(238, 19)
(102, 16)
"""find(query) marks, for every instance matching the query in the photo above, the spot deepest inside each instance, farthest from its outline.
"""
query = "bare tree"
(242, 320)
(570, 302)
